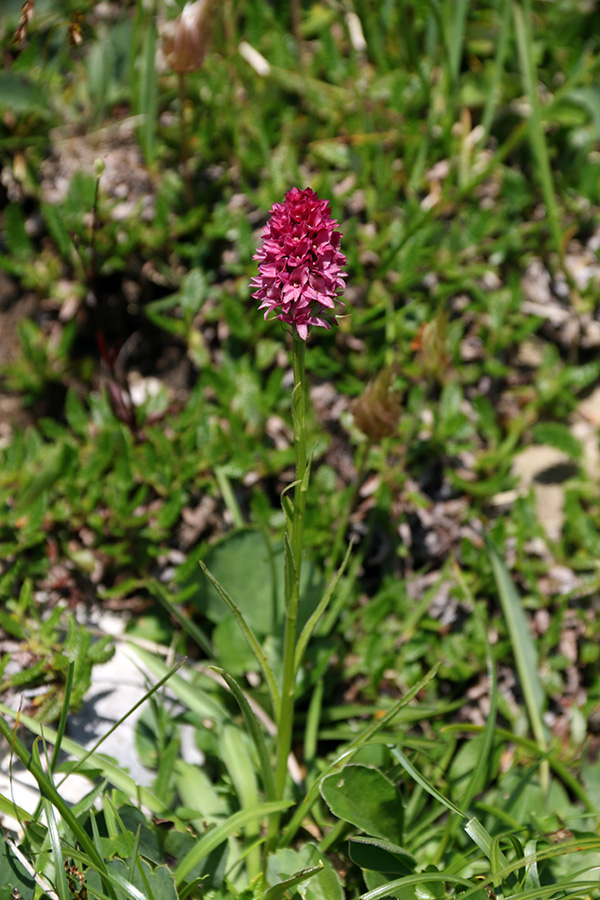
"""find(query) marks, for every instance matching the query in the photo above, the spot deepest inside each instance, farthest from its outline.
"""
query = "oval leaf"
(365, 798)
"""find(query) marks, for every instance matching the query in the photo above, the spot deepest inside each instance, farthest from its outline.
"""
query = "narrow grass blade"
(255, 731)
(217, 835)
(164, 778)
(560, 769)
(135, 851)
(48, 791)
(57, 856)
(539, 146)
(493, 93)
(482, 838)
(313, 621)
(253, 643)
(390, 889)
(331, 616)
(311, 730)
(457, 14)
(197, 700)
(190, 627)
(523, 648)
(499, 862)
(477, 780)
(62, 723)
(111, 772)
(229, 498)
(235, 755)
(125, 886)
(148, 91)
(420, 779)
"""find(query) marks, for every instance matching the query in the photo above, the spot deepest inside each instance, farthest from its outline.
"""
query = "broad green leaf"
(381, 856)
(15, 234)
(198, 791)
(323, 883)
(244, 567)
(13, 873)
(281, 889)
(365, 798)
(19, 95)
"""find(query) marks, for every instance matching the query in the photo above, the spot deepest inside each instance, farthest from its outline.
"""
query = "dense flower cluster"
(300, 275)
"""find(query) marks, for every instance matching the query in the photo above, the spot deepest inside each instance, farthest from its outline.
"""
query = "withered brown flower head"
(186, 40)
(377, 410)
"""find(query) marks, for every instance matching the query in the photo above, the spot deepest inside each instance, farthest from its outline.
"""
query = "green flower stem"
(295, 531)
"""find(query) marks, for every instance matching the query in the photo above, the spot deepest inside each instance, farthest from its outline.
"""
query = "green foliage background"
(149, 427)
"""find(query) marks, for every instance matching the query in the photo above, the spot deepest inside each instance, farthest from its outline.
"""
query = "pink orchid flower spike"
(300, 277)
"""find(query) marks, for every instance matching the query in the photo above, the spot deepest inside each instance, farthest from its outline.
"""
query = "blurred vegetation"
(144, 418)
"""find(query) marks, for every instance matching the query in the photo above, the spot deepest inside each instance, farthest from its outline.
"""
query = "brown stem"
(184, 155)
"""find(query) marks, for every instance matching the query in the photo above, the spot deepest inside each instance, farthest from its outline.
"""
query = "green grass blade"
(62, 723)
(229, 498)
(48, 790)
(114, 774)
(477, 780)
(199, 701)
(456, 11)
(217, 835)
(313, 621)
(148, 91)
(387, 890)
(523, 648)
(488, 846)
(253, 642)
(188, 625)
(493, 93)
(559, 768)
(235, 754)
(539, 146)
(57, 856)
(420, 779)
(254, 729)
(313, 717)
